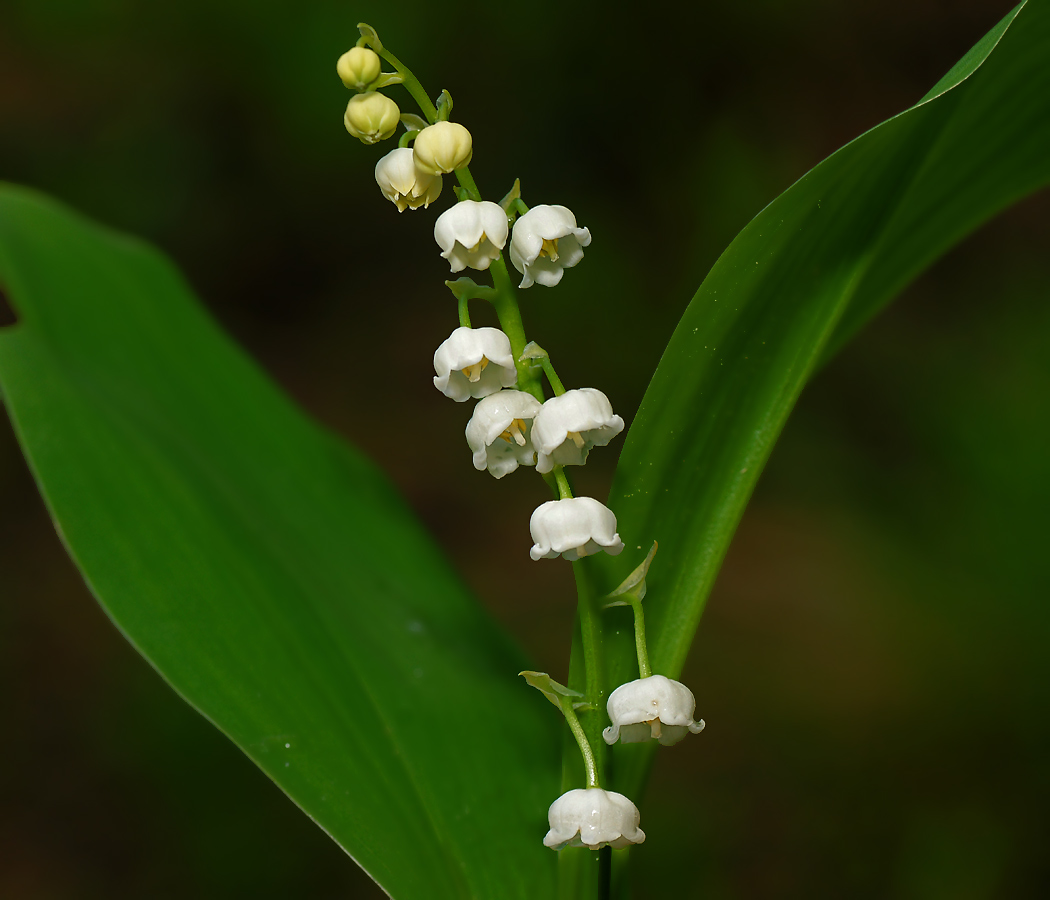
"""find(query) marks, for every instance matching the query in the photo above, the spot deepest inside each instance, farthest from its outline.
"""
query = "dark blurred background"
(872, 665)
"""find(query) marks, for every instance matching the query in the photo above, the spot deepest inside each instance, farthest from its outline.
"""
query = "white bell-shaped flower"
(471, 234)
(498, 433)
(403, 184)
(592, 818)
(654, 708)
(474, 362)
(545, 242)
(572, 528)
(568, 426)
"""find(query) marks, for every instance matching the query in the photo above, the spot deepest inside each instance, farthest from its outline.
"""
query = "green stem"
(464, 311)
(506, 304)
(403, 141)
(412, 85)
(520, 206)
(467, 180)
(562, 480)
(644, 669)
(593, 661)
(584, 874)
(589, 762)
(552, 376)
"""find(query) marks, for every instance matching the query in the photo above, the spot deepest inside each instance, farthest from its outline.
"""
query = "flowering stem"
(411, 84)
(552, 376)
(403, 141)
(464, 311)
(506, 304)
(467, 180)
(581, 739)
(644, 669)
(564, 488)
(593, 659)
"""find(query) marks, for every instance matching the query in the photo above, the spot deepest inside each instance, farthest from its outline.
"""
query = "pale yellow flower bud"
(442, 147)
(358, 68)
(371, 117)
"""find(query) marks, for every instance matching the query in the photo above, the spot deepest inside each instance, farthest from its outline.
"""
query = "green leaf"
(268, 572)
(809, 270)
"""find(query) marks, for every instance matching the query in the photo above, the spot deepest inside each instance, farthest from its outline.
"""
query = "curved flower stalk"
(474, 362)
(593, 818)
(654, 708)
(403, 184)
(545, 242)
(585, 817)
(573, 527)
(568, 427)
(499, 432)
(471, 234)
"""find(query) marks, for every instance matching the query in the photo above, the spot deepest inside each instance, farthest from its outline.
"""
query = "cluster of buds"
(408, 177)
(514, 423)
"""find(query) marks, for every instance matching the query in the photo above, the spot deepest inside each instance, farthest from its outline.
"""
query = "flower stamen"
(576, 438)
(550, 249)
(473, 372)
(515, 432)
(484, 237)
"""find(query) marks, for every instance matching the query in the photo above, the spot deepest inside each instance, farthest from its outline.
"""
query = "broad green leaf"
(268, 572)
(801, 277)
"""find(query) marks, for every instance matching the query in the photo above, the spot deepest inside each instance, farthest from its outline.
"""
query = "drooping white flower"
(568, 426)
(474, 362)
(545, 242)
(403, 184)
(498, 433)
(651, 708)
(592, 818)
(371, 117)
(358, 67)
(471, 233)
(443, 147)
(573, 527)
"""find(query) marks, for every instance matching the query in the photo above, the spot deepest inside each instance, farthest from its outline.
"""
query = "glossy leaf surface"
(811, 268)
(269, 572)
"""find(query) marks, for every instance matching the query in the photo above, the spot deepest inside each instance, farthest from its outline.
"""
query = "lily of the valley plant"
(523, 416)
(280, 586)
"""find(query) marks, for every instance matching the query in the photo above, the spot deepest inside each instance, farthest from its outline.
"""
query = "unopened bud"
(371, 117)
(358, 68)
(442, 147)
